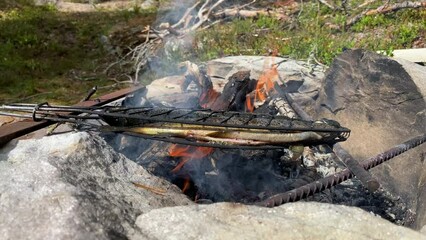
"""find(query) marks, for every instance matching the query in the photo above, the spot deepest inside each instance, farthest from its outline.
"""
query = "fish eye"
(233, 84)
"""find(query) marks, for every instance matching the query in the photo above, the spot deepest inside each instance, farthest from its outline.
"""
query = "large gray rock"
(290, 221)
(381, 100)
(74, 186)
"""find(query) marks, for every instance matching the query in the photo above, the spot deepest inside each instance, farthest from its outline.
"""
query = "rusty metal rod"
(332, 180)
(367, 180)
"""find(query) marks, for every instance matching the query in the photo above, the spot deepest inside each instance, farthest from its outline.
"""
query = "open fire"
(227, 154)
(216, 174)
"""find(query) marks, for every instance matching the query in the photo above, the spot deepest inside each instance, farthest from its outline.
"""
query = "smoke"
(166, 57)
(222, 176)
(173, 11)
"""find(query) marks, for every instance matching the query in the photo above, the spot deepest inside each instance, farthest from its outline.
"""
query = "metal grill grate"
(144, 116)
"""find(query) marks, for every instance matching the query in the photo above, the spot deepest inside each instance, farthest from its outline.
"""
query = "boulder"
(74, 186)
(382, 101)
(291, 221)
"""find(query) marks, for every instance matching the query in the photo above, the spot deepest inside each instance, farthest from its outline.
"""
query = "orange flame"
(249, 103)
(264, 86)
(185, 185)
(187, 153)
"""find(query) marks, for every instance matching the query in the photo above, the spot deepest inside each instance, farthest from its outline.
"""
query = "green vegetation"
(311, 34)
(48, 55)
(56, 56)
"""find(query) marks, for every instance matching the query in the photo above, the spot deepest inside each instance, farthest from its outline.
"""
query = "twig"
(186, 14)
(385, 9)
(158, 191)
(368, 2)
(90, 94)
(204, 18)
(301, 8)
(327, 4)
(115, 84)
(211, 24)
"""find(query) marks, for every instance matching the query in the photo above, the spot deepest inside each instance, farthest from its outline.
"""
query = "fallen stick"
(249, 14)
(327, 4)
(385, 9)
(152, 189)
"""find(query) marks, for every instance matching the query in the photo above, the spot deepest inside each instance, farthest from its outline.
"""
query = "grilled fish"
(233, 135)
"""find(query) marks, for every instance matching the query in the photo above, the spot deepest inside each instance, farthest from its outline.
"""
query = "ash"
(352, 193)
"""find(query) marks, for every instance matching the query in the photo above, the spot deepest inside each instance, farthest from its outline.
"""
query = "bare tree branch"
(366, 3)
(327, 4)
(385, 9)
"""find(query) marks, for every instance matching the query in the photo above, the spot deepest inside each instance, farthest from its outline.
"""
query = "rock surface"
(74, 186)
(381, 100)
(290, 221)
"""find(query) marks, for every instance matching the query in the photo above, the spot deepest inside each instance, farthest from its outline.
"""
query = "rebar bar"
(332, 180)
(370, 182)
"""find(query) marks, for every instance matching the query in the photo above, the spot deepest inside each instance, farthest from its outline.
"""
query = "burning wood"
(187, 153)
(264, 86)
(224, 123)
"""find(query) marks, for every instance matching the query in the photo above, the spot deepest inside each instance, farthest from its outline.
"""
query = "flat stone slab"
(291, 221)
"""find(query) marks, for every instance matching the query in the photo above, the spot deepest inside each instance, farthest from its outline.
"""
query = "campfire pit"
(265, 148)
(249, 145)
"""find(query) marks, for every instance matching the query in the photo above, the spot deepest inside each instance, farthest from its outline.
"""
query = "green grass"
(48, 55)
(309, 34)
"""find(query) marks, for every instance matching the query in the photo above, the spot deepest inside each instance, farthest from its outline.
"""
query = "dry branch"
(239, 11)
(366, 3)
(250, 13)
(201, 15)
(327, 4)
(385, 9)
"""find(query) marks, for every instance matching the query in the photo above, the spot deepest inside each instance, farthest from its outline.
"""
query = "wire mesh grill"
(147, 116)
